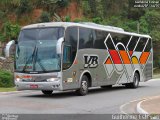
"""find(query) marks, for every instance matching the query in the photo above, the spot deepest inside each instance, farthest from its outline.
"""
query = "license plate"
(33, 86)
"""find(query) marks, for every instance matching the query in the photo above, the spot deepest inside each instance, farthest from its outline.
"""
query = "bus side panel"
(84, 66)
(70, 78)
(148, 68)
(99, 74)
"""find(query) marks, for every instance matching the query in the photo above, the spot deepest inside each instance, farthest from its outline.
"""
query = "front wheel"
(83, 90)
(135, 82)
(47, 92)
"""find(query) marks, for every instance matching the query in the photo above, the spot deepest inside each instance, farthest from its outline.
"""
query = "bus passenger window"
(148, 46)
(71, 38)
(133, 43)
(141, 44)
(99, 38)
(85, 38)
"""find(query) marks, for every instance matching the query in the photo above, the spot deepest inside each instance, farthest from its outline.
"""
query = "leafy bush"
(24, 7)
(63, 3)
(67, 18)
(45, 17)
(82, 20)
(86, 8)
(9, 31)
(97, 20)
(2, 14)
(2, 37)
(6, 79)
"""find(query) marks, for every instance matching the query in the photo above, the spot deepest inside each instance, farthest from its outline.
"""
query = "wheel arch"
(88, 74)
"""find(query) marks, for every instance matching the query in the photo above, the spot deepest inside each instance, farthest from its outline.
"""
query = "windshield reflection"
(38, 55)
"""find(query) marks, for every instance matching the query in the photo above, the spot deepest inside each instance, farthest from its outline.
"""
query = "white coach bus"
(75, 56)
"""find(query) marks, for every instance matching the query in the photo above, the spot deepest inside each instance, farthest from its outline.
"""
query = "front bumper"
(38, 81)
(38, 85)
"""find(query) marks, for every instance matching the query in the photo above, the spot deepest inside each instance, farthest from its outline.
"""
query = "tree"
(9, 31)
(24, 7)
(153, 17)
(8, 5)
(105, 5)
(45, 17)
(92, 4)
(51, 5)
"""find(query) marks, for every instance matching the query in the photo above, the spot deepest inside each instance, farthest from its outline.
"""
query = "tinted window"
(110, 44)
(99, 37)
(85, 38)
(120, 38)
(67, 59)
(141, 44)
(41, 34)
(71, 38)
(148, 46)
(133, 43)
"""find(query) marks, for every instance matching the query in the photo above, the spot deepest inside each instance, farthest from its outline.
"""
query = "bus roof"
(84, 24)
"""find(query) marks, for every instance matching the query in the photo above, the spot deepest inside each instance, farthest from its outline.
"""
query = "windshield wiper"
(29, 59)
(38, 61)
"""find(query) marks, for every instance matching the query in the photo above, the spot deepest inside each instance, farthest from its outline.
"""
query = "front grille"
(34, 80)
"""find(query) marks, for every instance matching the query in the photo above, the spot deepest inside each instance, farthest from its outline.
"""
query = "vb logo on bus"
(90, 61)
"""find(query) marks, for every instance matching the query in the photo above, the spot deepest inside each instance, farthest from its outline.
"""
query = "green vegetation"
(67, 18)
(9, 31)
(6, 79)
(7, 89)
(16, 13)
(45, 17)
(156, 71)
(123, 14)
(24, 7)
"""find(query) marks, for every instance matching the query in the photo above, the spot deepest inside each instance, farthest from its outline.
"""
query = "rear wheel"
(135, 82)
(47, 92)
(83, 90)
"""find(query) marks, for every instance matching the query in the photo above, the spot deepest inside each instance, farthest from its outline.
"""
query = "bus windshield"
(36, 50)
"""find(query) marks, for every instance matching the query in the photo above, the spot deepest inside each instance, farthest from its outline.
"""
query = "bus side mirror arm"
(9, 48)
(59, 45)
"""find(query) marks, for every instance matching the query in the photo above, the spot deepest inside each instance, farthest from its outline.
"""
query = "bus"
(75, 56)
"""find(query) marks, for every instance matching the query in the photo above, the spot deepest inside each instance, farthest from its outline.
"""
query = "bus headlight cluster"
(17, 79)
(53, 80)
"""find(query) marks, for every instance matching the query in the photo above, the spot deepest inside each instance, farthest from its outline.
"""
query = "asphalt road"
(98, 101)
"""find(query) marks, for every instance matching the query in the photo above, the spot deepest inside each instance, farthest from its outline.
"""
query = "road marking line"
(140, 109)
(152, 80)
(17, 92)
(141, 100)
(122, 106)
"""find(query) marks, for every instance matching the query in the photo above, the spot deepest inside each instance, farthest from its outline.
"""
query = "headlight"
(53, 80)
(17, 79)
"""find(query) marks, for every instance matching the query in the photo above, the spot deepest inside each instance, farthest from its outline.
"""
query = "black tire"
(83, 90)
(135, 82)
(47, 92)
(106, 87)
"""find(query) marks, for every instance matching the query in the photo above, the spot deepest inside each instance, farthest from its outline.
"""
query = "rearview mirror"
(59, 45)
(10, 48)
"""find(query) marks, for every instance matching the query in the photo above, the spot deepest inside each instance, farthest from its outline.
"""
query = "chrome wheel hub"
(84, 86)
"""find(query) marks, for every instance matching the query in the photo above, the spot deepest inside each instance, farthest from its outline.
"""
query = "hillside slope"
(17, 13)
